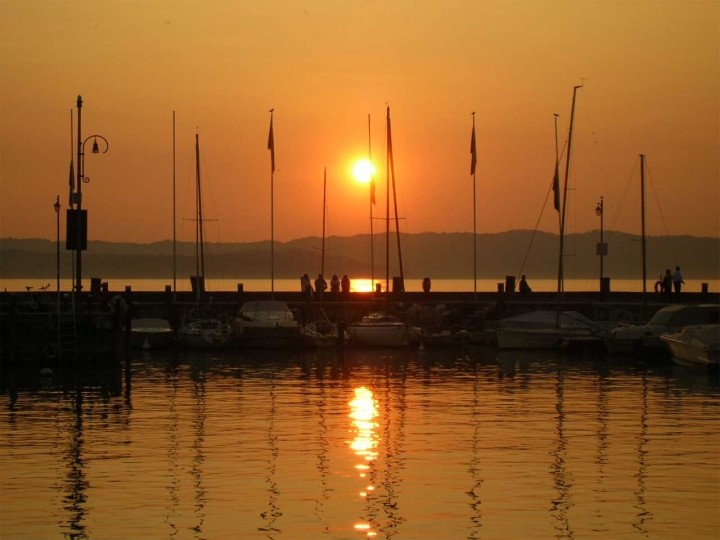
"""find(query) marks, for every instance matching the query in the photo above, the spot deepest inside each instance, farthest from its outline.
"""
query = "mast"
(642, 214)
(271, 147)
(397, 219)
(199, 240)
(564, 207)
(473, 163)
(387, 212)
(372, 201)
(174, 220)
(322, 257)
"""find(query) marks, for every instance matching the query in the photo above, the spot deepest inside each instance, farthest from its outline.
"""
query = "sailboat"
(203, 329)
(544, 329)
(323, 332)
(383, 329)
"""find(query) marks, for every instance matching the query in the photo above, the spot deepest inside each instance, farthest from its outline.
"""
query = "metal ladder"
(67, 332)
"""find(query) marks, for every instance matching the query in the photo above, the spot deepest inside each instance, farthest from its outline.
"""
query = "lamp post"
(602, 247)
(57, 248)
(81, 178)
(57, 241)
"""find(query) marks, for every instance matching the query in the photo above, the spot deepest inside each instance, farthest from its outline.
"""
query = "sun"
(363, 171)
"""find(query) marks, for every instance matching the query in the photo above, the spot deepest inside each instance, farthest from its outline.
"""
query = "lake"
(450, 444)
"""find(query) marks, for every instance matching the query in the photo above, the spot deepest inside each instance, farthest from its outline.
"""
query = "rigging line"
(542, 211)
(662, 217)
(613, 229)
(585, 101)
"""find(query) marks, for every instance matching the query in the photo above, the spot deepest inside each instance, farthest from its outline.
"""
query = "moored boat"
(695, 345)
(645, 338)
(207, 333)
(382, 330)
(150, 334)
(544, 329)
(267, 324)
(201, 327)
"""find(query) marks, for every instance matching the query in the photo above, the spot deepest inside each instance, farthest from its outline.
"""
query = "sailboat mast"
(387, 211)
(397, 219)
(372, 200)
(642, 214)
(200, 262)
(271, 147)
(557, 164)
(473, 151)
(564, 201)
(174, 221)
(322, 257)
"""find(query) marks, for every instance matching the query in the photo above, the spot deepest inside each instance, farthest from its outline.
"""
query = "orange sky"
(650, 71)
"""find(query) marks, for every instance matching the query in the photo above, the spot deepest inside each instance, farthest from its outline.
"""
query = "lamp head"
(599, 210)
(95, 149)
(57, 204)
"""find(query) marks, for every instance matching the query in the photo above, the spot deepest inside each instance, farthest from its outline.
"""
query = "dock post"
(500, 306)
(128, 320)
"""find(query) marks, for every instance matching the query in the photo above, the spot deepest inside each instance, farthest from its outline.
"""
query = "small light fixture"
(95, 149)
(57, 205)
(599, 210)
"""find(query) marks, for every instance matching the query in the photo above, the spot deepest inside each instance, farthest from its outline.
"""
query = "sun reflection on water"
(364, 414)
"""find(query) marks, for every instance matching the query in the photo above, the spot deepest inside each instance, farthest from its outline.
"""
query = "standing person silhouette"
(345, 284)
(677, 282)
(320, 287)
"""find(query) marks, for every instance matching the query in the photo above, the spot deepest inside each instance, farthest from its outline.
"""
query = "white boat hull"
(695, 346)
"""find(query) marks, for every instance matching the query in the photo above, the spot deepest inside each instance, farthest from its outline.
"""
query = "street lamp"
(601, 247)
(77, 199)
(57, 246)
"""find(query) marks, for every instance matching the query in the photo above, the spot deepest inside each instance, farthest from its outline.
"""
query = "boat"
(150, 334)
(320, 334)
(381, 329)
(208, 332)
(545, 329)
(695, 345)
(202, 328)
(645, 338)
(548, 329)
(267, 324)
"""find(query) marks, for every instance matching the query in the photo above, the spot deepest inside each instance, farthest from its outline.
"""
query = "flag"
(473, 150)
(271, 144)
(72, 182)
(556, 187)
(372, 190)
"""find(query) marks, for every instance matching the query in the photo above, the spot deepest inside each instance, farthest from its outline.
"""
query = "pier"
(97, 326)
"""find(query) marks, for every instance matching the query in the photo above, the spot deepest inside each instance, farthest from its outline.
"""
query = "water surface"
(375, 444)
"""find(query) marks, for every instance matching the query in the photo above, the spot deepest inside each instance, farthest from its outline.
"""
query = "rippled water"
(384, 444)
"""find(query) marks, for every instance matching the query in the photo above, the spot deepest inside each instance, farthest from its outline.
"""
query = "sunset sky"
(650, 71)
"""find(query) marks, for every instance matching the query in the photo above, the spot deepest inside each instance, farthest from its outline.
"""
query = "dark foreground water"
(383, 444)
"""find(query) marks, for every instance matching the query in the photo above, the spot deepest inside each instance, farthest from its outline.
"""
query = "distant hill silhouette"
(435, 255)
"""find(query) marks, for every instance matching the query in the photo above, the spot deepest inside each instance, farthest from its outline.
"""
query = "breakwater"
(97, 323)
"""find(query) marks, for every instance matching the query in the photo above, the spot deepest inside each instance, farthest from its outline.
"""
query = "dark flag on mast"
(473, 149)
(271, 142)
(556, 187)
(72, 183)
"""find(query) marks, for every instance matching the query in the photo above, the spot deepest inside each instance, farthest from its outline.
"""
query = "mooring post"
(128, 320)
